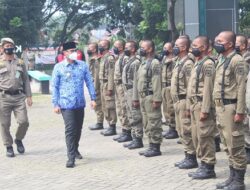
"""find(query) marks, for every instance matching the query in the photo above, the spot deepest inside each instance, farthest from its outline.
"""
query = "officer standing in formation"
(14, 90)
(106, 76)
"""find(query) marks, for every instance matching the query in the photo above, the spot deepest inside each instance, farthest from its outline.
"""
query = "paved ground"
(106, 164)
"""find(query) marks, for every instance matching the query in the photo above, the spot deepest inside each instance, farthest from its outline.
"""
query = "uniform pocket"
(3, 72)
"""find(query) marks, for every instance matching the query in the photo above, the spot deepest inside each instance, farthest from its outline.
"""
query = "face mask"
(165, 53)
(90, 53)
(116, 50)
(127, 52)
(237, 49)
(219, 48)
(101, 49)
(9, 51)
(196, 52)
(73, 56)
(176, 51)
(143, 53)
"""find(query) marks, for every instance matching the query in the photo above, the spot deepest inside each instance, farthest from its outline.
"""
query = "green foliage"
(244, 6)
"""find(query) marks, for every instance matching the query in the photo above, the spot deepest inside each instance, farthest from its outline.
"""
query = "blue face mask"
(176, 51)
(9, 51)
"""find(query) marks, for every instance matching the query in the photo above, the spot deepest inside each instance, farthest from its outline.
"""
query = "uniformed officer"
(106, 76)
(129, 77)
(179, 82)
(120, 99)
(94, 67)
(149, 91)
(14, 90)
(229, 97)
(241, 48)
(167, 102)
(248, 43)
(200, 89)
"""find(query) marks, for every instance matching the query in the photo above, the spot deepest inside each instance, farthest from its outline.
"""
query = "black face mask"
(9, 51)
(176, 51)
(90, 53)
(196, 52)
(127, 52)
(116, 51)
(143, 53)
(101, 49)
(220, 48)
(237, 49)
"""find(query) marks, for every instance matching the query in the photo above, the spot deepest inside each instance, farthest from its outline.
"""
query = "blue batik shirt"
(68, 85)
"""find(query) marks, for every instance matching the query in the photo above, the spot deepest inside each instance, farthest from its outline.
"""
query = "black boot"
(141, 153)
(171, 134)
(110, 131)
(180, 162)
(228, 181)
(10, 151)
(248, 155)
(154, 151)
(201, 167)
(20, 147)
(78, 155)
(217, 143)
(238, 181)
(206, 172)
(70, 163)
(119, 136)
(190, 162)
(97, 126)
(126, 137)
(136, 143)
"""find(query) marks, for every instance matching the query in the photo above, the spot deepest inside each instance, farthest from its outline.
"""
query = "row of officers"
(200, 95)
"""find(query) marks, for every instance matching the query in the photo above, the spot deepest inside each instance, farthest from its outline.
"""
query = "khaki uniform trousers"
(17, 105)
(108, 105)
(98, 108)
(151, 119)
(233, 134)
(121, 107)
(134, 115)
(203, 134)
(168, 107)
(183, 126)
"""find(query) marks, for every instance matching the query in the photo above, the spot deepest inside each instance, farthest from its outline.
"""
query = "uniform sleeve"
(89, 83)
(209, 71)
(241, 86)
(111, 72)
(187, 70)
(156, 81)
(26, 81)
(248, 94)
(135, 82)
(55, 83)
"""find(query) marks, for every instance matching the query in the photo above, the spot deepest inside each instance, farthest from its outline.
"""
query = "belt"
(196, 99)
(117, 82)
(146, 93)
(220, 102)
(15, 92)
(104, 80)
(165, 84)
(128, 86)
(179, 97)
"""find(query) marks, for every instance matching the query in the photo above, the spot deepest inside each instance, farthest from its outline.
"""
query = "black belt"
(181, 97)
(146, 93)
(165, 84)
(104, 80)
(229, 101)
(117, 82)
(128, 86)
(15, 92)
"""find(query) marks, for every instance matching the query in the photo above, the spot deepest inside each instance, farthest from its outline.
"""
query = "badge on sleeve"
(17, 75)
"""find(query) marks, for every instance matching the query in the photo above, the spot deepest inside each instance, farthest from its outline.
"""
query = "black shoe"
(97, 126)
(238, 181)
(117, 137)
(206, 172)
(171, 134)
(180, 162)
(154, 151)
(20, 147)
(70, 163)
(125, 137)
(190, 162)
(217, 142)
(228, 181)
(10, 151)
(248, 155)
(78, 155)
(136, 143)
(110, 131)
(201, 167)
(126, 145)
(141, 153)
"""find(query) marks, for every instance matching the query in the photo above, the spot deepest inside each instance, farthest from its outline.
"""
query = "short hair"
(243, 39)
(205, 40)
(151, 44)
(95, 44)
(231, 37)
(134, 44)
(122, 42)
(107, 41)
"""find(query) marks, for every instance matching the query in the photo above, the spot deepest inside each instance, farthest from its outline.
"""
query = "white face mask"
(73, 56)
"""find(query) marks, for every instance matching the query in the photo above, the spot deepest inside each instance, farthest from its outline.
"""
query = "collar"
(66, 63)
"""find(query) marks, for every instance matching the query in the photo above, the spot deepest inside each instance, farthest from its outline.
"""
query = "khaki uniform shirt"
(119, 65)
(183, 67)
(149, 79)
(246, 57)
(234, 81)
(107, 68)
(205, 69)
(14, 76)
(167, 68)
(94, 67)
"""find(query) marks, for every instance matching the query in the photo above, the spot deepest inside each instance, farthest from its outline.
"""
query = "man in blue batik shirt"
(68, 97)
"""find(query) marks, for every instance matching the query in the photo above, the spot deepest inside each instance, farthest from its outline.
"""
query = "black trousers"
(73, 121)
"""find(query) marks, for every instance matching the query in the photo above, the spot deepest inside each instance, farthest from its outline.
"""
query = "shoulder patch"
(240, 70)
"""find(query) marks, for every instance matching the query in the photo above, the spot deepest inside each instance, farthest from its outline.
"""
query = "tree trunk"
(171, 16)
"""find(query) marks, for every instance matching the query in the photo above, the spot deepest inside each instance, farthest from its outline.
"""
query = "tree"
(171, 15)
(244, 7)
